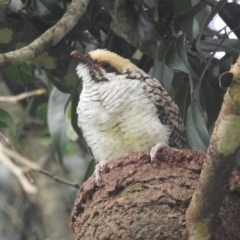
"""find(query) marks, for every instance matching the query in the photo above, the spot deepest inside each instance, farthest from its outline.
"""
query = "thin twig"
(8, 142)
(24, 161)
(57, 179)
(49, 38)
(191, 88)
(21, 96)
(36, 168)
(14, 150)
(17, 171)
(22, 79)
(216, 32)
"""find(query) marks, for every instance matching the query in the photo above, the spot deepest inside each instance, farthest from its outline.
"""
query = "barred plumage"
(168, 112)
(122, 109)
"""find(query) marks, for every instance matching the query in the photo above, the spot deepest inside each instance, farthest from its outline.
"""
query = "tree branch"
(14, 150)
(17, 30)
(34, 167)
(214, 178)
(48, 39)
(17, 171)
(19, 97)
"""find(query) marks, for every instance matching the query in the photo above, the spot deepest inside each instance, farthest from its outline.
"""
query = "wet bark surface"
(140, 200)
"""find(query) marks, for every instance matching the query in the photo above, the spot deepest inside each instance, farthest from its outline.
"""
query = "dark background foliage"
(183, 62)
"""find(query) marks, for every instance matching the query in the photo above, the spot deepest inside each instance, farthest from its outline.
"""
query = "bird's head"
(101, 65)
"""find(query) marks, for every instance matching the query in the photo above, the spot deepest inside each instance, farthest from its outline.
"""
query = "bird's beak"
(82, 57)
(86, 59)
(75, 53)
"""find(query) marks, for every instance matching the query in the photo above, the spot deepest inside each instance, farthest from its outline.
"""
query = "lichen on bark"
(220, 160)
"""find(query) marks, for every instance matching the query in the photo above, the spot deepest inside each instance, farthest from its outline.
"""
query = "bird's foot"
(155, 150)
(100, 167)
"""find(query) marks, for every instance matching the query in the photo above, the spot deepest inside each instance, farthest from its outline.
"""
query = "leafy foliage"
(56, 120)
(175, 27)
(184, 64)
(6, 121)
(184, 61)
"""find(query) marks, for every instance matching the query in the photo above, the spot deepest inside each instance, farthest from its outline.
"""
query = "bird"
(122, 109)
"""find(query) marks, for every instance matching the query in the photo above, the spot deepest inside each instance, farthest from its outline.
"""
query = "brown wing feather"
(168, 112)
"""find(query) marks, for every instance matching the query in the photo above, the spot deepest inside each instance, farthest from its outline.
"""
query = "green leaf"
(155, 11)
(53, 7)
(196, 130)
(181, 45)
(183, 99)
(28, 72)
(176, 57)
(22, 74)
(13, 72)
(164, 74)
(230, 15)
(46, 141)
(71, 95)
(209, 18)
(167, 10)
(74, 117)
(181, 7)
(90, 170)
(6, 121)
(145, 28)
(115, 8)
(212, 93)
(24, 118)
(189, 14)
(42, 111)
(231, 46)
(161, 49)
(56, 121)
(95, 12)
(45, 12)
(198, 88)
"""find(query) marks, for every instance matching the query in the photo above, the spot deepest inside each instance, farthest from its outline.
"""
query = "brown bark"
(139, 201)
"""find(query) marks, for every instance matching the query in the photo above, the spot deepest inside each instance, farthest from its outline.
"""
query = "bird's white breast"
(117, 117)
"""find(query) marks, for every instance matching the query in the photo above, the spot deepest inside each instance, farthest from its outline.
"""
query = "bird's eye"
(87, 56)
(105, 65)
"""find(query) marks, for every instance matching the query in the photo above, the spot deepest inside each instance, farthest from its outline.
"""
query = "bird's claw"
(100, 167)
(155, 150)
